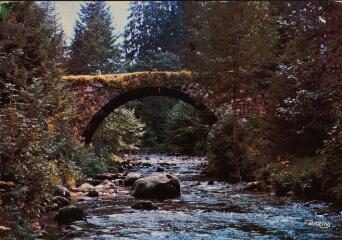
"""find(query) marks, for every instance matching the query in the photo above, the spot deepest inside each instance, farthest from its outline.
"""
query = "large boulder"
(131, 178)
(158, 186)
(62, 191)
(69, 214)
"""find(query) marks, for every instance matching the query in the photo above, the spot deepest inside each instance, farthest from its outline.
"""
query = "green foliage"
(153, 111)
(331, 155)
(121, 132)
(220, 150)
(92, 166)
(232, 48)
(31, 43)
(93, 45)
(306, 93)
(231, 38)
(185, 132)
(39, 150)
(159, 48)
(4, 9)
(166, 31)
(35, 112)
(165, 61)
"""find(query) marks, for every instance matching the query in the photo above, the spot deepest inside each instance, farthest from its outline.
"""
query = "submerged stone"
(69, 214)
(93, 193)
(144, 205)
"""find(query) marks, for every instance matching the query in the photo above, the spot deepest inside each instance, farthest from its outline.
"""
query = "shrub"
(91, 167)
(220, 150)
(185, 131)
(331, 155)
(120, 133)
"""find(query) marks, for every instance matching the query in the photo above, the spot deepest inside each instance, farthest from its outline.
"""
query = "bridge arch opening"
(208, 116)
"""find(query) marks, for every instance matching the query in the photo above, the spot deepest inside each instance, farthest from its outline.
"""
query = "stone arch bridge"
(97, 96)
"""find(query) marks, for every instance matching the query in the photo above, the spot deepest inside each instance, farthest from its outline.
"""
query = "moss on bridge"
(136, 78)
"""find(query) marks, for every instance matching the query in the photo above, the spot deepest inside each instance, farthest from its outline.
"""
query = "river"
(203, 211)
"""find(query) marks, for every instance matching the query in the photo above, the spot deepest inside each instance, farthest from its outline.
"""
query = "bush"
(186, 134)
(220, 149)
(91, 167)
(120, 133)
(331, 155)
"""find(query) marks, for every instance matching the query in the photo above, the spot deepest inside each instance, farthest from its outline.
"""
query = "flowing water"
(203, 211)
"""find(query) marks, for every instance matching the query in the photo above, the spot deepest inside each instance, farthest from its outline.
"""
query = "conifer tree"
(93, 46)
(31, 43)
(154, 28)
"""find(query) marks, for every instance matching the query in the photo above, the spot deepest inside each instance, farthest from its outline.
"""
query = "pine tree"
(154, 28)
(31, 44)
(93, 47)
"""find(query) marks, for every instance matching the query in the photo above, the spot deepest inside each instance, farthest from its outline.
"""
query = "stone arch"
(142, 92)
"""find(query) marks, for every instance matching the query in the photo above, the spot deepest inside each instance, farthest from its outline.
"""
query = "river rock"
(252, 186)
(131, 178)
(144, 205)
(6, 185)
(165, 164)
(157, 186)
(60, 202)
(86, 187)
(93, 181)
(311, 202)
(69, 214)
(291, 193)
(62, 191)
(160, 169)
(104, 176)
(105, 186)
(119, 181)
(93, 193)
